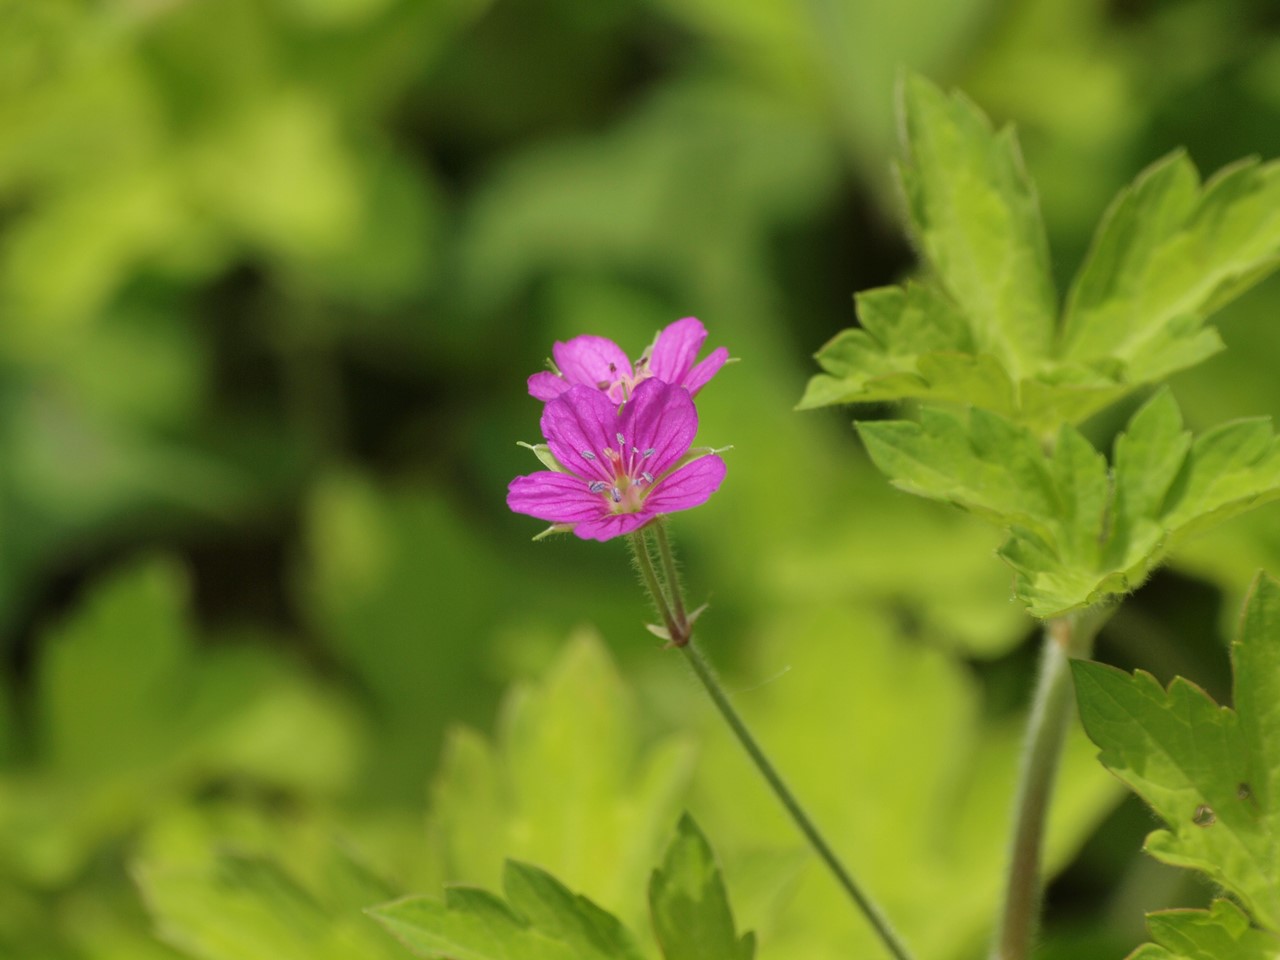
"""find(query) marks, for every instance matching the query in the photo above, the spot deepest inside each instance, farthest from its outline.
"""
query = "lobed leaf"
(982, 328)
(1078, 532)
(1208, 771)
(1222, 932)
(541, 919)
(689, 903)
(975, 216)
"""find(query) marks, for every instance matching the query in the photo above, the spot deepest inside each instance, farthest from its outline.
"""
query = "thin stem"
(864, 903)
(1051, 714)
(680, 629)
(669, 568)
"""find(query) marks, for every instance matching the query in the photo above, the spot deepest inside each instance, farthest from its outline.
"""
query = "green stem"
(681, 634)
(1051, 714)
(669, 568)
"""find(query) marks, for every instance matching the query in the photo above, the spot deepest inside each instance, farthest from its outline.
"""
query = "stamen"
(588, 455)
(647, 477)
(649, 453)
(597, 486)
(616, 494)
(621, 442)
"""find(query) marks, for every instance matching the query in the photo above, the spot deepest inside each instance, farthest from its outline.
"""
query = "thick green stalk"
(1051, 713)
(680, 630)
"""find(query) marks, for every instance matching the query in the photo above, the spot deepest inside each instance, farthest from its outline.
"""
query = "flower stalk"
(679, 631)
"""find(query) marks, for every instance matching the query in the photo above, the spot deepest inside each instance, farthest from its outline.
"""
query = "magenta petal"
(690, 486)
(546, 385)
(591, 360)
(708, 368)
(676, 348)
(578, 425)
(554, 497)
(660, 417)
(612, 525)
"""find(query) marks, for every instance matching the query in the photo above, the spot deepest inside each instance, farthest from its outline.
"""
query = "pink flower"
(622, 467)
(599, 362)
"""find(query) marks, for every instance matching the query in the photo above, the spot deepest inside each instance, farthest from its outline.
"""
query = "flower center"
(631, 477)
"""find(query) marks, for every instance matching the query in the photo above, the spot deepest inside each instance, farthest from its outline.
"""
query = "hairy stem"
(1051, 714)
(680, 628)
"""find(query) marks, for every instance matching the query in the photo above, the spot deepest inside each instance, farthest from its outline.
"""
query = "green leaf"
(1210, 772)
(1077, 532)
(1167, 254)
(690, 905)
(132, 714)
(540, 920)
(1220, 933)
(913, 343)
(975, 216)
(570, 761)
(983, 328)
(231, 883)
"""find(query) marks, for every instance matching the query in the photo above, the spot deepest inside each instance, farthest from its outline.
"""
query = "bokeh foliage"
(272, 273)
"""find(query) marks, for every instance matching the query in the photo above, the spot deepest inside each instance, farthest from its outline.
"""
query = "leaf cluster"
(981, 330)
(982, 325)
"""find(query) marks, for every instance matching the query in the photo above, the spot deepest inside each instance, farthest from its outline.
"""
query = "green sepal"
(544, 455)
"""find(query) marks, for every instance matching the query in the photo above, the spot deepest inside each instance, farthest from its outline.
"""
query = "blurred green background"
(272, 276)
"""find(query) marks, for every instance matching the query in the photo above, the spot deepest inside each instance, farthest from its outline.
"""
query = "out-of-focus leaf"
(132, 715)
(568, 786)
(689, 903)
(1211, 773)
(541, 919)
(927, 838)
(242, 887)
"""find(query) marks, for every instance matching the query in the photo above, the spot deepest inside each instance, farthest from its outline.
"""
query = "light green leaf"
(912, 343)
(568, 785)
(1167, 254)
(540, 920)
(1222, 932)
(1078, 534)
(975, 216)
(234, 884)
(689, 903)
(1208, 771)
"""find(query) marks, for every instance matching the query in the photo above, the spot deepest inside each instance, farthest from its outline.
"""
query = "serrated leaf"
(913, 343)
(1166, 254)
(1210, 772)
(975, 216)
(540, 920)
(689, 903)
(593, 933)
(1077, 533)
(1222, 932)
